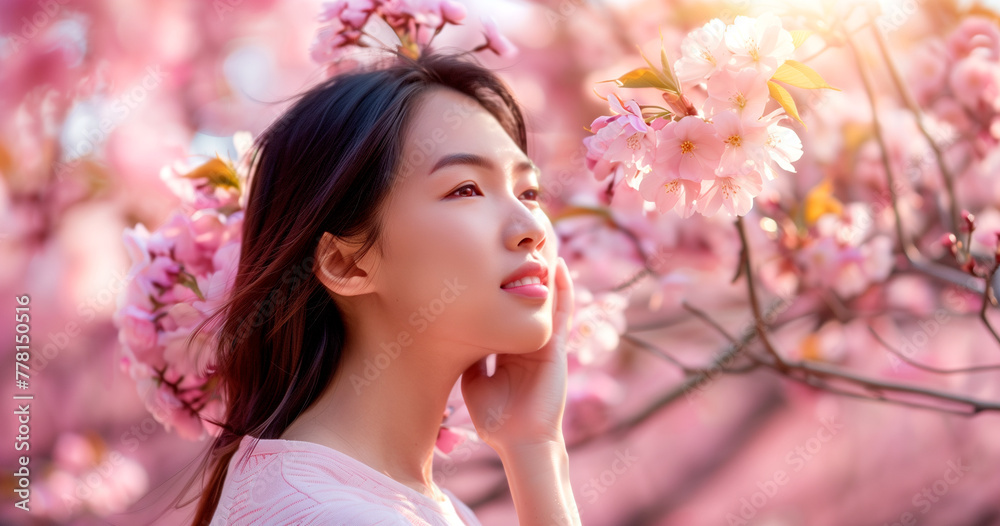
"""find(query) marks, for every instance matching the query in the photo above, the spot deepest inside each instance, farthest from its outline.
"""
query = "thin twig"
(660, 352)
(908, 249)
(906, 246)
(817, 369)
(671, 395)
(812, 382)
(918, 365)
(688, 370)
(752, 290)
(708, 319)
(904, 92)
(987, 301)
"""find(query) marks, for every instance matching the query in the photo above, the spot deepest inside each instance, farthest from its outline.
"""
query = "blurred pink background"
(98, 95)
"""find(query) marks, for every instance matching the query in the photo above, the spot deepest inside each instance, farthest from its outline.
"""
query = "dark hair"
(326, 165)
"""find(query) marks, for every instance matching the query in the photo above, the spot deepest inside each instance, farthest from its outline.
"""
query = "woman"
(337, 360)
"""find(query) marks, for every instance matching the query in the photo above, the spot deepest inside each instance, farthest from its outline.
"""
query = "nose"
(526, 228)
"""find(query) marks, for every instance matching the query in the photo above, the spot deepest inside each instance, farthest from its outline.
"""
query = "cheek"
(436, 261)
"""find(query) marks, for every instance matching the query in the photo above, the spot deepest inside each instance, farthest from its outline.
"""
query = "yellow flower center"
(729, 188)
(739, 100)
(687, 147)
(633, 141)
(735, 141)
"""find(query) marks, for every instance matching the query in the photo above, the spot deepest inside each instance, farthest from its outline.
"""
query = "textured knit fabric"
(296, 482)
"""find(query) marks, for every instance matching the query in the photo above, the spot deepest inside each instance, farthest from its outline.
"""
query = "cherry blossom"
(704, 52)
(743, 92)
(687, 149)
(497, 42)
(975, 33)
(732, 191)
(621, 138)
(760, 43)
(783, 146)
(745, 139)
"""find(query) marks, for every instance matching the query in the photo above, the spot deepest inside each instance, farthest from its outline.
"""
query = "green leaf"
(799, 36)
(218, 173)
(640, 78)
(800, 75)
(185, 278)
(819, 201)
(668, 70)
(784, 98)
(669, 85)
(649, 118)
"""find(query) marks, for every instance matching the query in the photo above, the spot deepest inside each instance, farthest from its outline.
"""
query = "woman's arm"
(538, 475)
(519, 410)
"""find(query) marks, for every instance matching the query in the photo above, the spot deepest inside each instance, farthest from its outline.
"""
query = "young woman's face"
(464, 215)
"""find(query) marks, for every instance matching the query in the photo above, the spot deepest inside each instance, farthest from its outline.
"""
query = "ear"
(337, 269)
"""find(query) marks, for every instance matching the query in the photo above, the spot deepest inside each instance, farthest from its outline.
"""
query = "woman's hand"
(522, 404)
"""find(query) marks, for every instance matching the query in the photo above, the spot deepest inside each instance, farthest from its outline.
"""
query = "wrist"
(538, 475)
(532, 448)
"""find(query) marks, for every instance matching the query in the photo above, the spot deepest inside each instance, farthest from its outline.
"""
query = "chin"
(525, 340)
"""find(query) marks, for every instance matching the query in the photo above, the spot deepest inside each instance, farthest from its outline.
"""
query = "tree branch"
(811, 369)
(918, 365)
(946, 175)
(752, 290)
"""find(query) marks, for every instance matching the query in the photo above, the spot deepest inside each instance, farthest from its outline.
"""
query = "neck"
(384, 408)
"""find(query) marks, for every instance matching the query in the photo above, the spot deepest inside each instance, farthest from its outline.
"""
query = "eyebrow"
(480, 161)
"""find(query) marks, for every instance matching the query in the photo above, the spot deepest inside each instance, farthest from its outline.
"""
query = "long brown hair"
(326, 165)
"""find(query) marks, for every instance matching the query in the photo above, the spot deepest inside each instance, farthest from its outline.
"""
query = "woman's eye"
(470, 190)
(465, 191)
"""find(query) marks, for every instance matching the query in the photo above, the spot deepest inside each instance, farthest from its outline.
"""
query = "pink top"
(296, 482)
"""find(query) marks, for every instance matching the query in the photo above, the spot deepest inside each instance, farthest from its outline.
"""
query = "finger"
(565, 298)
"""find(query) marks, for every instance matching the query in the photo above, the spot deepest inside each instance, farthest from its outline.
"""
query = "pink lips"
(532, 290)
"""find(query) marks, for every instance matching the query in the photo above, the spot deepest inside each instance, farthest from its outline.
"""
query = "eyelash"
(538, 191)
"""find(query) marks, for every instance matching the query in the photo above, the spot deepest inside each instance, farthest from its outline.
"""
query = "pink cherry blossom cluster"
(181, 273)
(958, 79)
(592, 392)
(86, 476)
(716, 157)
(839, 250)
(415, 22)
